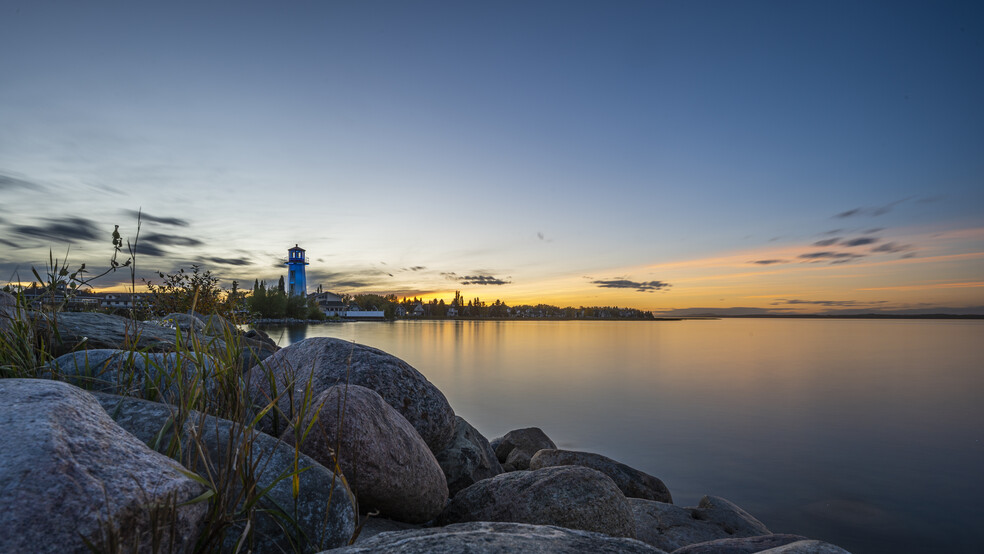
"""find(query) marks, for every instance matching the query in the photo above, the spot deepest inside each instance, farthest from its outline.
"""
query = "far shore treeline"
(199, 290)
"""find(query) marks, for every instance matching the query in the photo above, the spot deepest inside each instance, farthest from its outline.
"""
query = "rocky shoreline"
(347, 441)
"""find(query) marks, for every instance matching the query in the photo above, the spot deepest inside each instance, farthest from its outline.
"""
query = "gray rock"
(325, 362)
(218, 326)
(632, 482)
(67, 471)
(517, 460)
(91, 330)
(260, 336)
(806, 547)
(746, 545)
(568, 496)
(153, 376)
(529, 440)
(468, 458)
(373, 526)
(671, 527)
(323, 512)
(217, 332)
(184, 322)
(388, 466)
(8, 310)
(498, 538)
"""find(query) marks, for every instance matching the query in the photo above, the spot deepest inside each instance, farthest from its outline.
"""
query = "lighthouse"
(295, 263)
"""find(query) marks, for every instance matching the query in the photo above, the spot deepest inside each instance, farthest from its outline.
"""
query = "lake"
(866, 433)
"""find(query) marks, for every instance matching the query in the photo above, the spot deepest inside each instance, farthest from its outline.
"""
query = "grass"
(234, 496)
(224, 463)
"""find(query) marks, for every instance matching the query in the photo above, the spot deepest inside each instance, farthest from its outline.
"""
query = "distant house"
(112, 300)
(418, 310)
(453, 311)
(331, 304)
(400, 311)
(356, 313)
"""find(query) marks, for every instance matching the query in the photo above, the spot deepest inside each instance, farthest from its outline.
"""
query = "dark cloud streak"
(144, 216)
(8, 182)
(639, 286)
(870, 211)
(841, 303)
(229, 261)
(69, 229)
(170, 240)
(475, 279)
(860, 241)
(892, 248)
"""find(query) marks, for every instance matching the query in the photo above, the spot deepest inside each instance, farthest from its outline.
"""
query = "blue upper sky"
(557, 148)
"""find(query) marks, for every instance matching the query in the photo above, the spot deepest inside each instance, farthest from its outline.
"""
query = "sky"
(788, 157)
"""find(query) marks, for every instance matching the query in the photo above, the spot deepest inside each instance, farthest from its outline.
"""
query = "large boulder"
(8, 311)
(325, 362)
(515, 448)
(632, 482)
(91, 330)
(322, 515)
(184, 322)
(165, 377)
(387, 464)
(498, 538)
(671, 527)
(372, 526)
(744, 545)
(567, 496)
(217, 332)
(468, 458)
(806, 547)
(68, 474)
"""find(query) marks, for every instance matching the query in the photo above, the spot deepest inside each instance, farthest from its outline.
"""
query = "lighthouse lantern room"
(295, 271)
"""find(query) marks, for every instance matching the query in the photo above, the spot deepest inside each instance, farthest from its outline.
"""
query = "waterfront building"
(296, 279)
(331, 304)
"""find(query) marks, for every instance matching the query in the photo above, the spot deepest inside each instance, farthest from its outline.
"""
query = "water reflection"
(864, 433)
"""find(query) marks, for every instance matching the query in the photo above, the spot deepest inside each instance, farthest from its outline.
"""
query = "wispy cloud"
(830, 255)
(170, 240)
(150, 249)
(639, 286)
(9, 182)
(870, 211)
(475, 279)
(860, 241)
(892, 248)
(69, 229)
(230, 261)
(931, 286)
(768, 262)
(352, 284)
(177, 222)
(833, 303)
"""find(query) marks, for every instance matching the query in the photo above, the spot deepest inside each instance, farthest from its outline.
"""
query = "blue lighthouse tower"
(295, 263)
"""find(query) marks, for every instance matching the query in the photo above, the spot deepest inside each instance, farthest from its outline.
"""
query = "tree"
(183, 291)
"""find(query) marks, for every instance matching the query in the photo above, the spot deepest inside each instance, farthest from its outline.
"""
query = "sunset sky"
(781, 156)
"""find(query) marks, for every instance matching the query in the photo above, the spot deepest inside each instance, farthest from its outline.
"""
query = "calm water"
(868, 434)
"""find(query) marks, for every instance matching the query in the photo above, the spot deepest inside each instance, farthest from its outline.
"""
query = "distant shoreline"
(654, 319)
